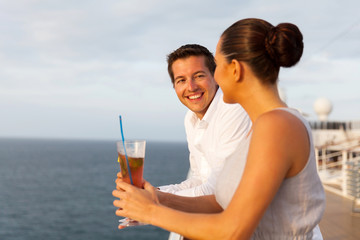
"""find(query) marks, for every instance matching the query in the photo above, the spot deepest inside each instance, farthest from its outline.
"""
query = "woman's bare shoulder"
(278, 119)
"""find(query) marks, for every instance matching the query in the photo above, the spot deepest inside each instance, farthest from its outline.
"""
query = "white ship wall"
(334, 138)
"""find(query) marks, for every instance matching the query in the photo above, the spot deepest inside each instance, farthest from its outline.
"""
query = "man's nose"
(192, 85)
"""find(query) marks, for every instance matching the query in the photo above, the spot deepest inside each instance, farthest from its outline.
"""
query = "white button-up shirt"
(211, 142)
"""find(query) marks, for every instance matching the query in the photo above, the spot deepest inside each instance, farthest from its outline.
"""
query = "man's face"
(194, 84)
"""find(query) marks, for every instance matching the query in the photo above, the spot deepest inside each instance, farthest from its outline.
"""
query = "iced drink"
(136, 168)
(135, 152)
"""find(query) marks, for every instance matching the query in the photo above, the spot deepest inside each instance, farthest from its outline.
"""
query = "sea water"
(61, 189)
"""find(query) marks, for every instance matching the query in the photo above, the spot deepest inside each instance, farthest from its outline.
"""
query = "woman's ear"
(237, 70)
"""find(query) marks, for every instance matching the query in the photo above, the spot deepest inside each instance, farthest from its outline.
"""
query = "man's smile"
(195, 96)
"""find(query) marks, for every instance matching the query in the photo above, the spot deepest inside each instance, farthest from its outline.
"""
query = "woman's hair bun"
(284, 44)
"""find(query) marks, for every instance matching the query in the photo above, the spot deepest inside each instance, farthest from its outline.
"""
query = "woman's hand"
(135, 203)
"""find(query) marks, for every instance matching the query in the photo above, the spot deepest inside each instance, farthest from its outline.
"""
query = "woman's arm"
(200, 204)
(143, 205)
(278, 140)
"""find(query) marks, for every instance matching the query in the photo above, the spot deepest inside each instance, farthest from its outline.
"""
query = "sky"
(68, 69)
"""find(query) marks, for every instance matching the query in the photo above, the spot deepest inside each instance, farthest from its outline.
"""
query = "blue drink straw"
(123, 141)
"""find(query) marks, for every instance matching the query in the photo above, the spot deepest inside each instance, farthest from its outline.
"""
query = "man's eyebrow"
(201, 71)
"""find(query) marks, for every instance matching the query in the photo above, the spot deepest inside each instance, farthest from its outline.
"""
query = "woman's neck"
(260, 99)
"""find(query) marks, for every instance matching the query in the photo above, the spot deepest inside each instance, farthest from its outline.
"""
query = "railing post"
(317, 158)
(323, 161)
(343, 172)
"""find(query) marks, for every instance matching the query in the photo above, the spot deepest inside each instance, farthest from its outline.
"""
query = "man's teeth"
(194, 96)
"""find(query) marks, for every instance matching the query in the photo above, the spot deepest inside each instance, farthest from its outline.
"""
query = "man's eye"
(180, 81)
(200, 76)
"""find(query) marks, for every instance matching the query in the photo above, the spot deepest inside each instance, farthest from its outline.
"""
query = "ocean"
(61, 189)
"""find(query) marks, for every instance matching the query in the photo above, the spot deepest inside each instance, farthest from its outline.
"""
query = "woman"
(278, 195)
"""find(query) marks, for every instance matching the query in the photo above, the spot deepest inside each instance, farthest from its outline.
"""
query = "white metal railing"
(353, 183)
(334, 166)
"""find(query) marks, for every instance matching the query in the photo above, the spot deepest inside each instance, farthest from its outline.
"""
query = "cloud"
(78, 64)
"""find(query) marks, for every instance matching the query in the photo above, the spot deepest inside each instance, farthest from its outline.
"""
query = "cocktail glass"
(131, 157)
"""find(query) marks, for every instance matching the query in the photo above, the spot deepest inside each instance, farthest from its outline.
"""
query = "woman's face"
(223, 75)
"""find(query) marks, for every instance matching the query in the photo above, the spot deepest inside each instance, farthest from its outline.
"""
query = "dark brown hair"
(189, 50)
(262, 46)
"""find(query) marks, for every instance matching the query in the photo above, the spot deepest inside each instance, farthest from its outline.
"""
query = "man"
(213, 128)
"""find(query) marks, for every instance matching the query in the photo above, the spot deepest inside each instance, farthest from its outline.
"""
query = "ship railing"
(353, 183)
(329, 160)
(333, 167)
(346, 144)
(333, 156)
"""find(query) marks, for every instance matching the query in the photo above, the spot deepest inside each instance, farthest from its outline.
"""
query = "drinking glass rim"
(132, 141)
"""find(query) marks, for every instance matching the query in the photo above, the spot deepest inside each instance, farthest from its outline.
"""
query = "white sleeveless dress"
(298, 205)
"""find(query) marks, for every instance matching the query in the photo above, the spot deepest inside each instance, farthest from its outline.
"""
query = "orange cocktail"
(135, 154)
(131, 155)
(136, 169)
